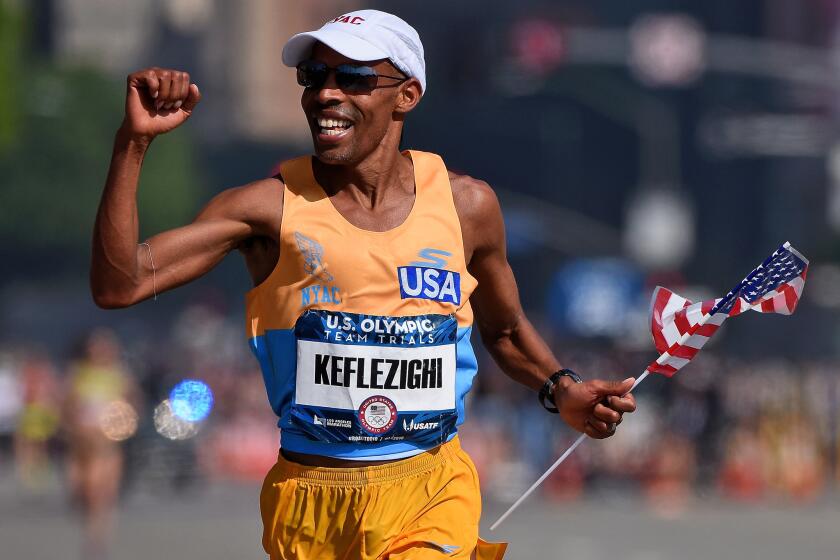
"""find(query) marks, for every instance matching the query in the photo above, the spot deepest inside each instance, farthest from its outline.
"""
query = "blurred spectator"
(11, 400)
(99, 412)
(741, 477)
(39, 419)
(671, 472)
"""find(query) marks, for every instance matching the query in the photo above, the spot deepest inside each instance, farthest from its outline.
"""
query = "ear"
(409, 96)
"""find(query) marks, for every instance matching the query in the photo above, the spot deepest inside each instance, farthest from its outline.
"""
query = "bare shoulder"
(249, 197)
(259, 203)
(474, 198)
(478, 211)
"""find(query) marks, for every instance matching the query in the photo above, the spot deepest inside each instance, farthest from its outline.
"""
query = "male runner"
(367, 264)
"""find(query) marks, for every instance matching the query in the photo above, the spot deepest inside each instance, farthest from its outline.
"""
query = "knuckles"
(159, 73)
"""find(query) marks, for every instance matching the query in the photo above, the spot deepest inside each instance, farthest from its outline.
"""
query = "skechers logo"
(429, 283)
(431, 257)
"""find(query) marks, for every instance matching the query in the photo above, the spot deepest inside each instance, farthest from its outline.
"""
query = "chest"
(332, 266)
(381, 218)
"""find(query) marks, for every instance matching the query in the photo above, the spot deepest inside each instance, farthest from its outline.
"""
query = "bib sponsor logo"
(412, 425)
(331, 422)
(378, 414)
(429, 283)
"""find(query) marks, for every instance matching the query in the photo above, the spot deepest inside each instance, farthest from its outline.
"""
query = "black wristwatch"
(549, 384)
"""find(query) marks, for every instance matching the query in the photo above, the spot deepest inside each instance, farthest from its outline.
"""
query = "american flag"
(681, 328)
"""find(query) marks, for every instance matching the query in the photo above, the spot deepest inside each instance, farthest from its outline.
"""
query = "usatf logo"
(429, 283)
(414, 426)
(378, 414)
(313, 255)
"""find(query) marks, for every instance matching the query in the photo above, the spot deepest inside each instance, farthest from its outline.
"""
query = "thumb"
(193, 97)
(607, 388)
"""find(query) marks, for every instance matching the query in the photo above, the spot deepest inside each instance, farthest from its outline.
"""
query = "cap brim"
(299, 47)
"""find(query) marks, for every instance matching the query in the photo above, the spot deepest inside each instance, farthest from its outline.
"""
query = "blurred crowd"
(96, 418)
(725, 428)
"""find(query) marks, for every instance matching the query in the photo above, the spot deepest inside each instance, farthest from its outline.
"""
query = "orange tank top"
(363, 337)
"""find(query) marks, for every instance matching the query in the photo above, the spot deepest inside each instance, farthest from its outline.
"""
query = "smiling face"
(347, 126)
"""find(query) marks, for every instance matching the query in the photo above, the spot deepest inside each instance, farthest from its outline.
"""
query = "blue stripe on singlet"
(276, 351)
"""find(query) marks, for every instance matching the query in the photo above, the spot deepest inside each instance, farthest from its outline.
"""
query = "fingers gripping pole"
(552, 468)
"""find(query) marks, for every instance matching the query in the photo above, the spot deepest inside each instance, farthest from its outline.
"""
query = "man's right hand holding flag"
(594, 407)
(681, 328)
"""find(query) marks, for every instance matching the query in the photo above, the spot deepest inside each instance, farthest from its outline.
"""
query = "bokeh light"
(191, 400)
(118, 421)
(170, 426)
(667, 49)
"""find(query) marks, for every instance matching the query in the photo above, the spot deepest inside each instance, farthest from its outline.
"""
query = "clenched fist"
(595, 407)
(158, 100)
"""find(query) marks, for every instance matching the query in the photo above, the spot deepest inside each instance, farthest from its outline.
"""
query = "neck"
(383, 172)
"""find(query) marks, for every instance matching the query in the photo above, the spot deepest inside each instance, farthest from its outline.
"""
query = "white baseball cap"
(365, 35)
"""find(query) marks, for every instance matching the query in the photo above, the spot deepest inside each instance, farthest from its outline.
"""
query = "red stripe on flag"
(667, 371)
(707, 306)
(767, 306)
(662, 298)
(685, 352)
(790, 298)
(707, 330)
(681, 321)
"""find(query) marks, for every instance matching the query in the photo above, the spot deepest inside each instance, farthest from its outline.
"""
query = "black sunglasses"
(348, 77)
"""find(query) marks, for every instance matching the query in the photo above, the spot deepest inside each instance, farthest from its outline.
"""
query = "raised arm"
(124, 272)
(590, 407)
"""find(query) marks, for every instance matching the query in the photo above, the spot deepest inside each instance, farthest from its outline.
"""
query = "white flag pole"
(660, 360)
(556, 464)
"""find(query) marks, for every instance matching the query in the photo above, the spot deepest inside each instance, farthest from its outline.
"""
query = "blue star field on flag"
(785, 264)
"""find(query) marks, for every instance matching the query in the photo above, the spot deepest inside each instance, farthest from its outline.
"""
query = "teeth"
(332, 123)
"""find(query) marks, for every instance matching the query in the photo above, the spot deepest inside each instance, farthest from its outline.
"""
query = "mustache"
(346, 113)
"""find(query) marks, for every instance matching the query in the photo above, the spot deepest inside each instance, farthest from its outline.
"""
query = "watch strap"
(545, 391)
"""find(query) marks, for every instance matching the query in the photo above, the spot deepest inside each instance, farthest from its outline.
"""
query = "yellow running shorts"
(424, 507)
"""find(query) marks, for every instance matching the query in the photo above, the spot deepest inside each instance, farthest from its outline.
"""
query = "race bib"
(370, 378)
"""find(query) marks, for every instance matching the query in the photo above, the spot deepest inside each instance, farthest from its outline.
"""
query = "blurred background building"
(631, 144)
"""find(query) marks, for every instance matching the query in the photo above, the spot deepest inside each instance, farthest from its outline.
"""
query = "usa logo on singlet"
(429, 283)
